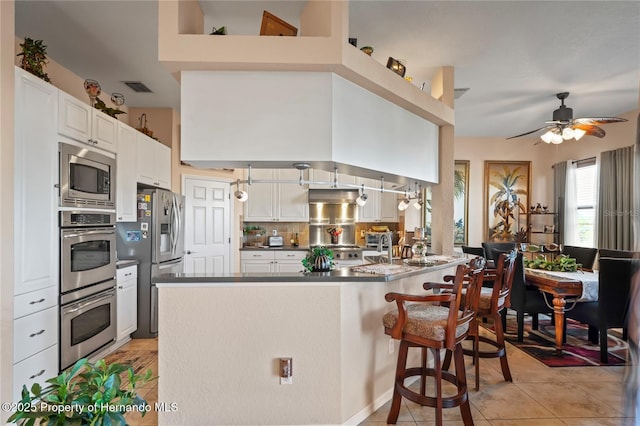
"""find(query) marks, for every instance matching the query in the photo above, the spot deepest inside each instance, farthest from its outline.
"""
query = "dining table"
(573, 287)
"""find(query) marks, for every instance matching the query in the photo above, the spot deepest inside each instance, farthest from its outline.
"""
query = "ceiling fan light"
(567, 133)
(578, 133)
(556, 138)
(546, 138)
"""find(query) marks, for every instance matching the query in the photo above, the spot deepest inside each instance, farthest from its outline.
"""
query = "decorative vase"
(335, 239)
(322, 263)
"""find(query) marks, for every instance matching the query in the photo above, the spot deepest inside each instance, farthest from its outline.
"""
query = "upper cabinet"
(276, 202)
(154, 162)
(318, 175)
(81, 122)
(380, 206)
(126, 174)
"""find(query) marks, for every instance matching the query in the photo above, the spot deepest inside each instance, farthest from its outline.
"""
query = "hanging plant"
(34, 58)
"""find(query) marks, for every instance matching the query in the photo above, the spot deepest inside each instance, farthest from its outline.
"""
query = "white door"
(207, 226)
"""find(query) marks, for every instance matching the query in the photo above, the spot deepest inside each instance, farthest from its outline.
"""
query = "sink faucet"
(389, 237)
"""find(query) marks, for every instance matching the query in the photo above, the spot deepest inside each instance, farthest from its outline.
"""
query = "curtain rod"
(584, 160)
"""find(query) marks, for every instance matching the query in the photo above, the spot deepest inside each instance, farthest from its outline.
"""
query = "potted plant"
(319, 260)
(85, 394)
(34, 58)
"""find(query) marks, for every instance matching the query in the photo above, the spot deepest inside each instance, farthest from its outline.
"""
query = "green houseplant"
(319, 260)
(85, 394)
(34, 58)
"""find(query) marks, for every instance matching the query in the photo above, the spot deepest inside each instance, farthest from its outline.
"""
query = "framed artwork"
(274, 26)
(506, 194)
(460, 202)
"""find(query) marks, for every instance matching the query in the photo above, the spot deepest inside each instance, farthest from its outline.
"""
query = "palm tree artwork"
(508, 185)
(460, 207)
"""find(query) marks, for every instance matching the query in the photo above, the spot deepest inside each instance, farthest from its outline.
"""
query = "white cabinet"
(36, 172)
(380, 206)
(127, 302)
(154, 162)
(276, 202)
(36, 247)
(126, 186)
(80, 121)
(272, 261)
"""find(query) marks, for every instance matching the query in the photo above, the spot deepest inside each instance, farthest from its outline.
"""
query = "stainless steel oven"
(87, 178)
(87, 249)
(87, 324)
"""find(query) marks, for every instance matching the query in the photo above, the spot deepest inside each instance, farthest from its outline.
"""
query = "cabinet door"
(36, 172)
(126, 188)
(163, 165)
(127, 302)
(260, 206)
(257, 266)
(145, 159)
(288, 266)
(74, 119)
(389, 207)
(292, 199)
(104, 131)
(35, 369)
(318, 175)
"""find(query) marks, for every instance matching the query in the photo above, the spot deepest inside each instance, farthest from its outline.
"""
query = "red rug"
(577, 351)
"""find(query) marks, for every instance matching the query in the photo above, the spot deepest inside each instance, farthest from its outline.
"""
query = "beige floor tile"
(527, 422)
(381, 414)
(569, 400)
(599, 422)
(507, 401)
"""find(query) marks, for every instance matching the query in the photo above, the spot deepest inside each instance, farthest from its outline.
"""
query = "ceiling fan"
(564, 126)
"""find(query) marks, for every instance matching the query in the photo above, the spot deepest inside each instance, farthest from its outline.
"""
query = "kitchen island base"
(220, 345)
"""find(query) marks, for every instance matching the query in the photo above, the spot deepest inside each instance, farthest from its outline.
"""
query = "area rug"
(577, 351)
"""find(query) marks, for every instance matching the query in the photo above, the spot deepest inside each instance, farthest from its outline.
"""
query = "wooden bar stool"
(429, 324)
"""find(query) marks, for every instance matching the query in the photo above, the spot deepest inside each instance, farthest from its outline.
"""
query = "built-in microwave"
(87, 178)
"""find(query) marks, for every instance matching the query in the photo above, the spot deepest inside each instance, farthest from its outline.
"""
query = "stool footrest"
(447, 401)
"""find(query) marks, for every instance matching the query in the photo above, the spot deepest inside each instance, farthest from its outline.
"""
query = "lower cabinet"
(127, 302)
(266, 260)
(35, 369)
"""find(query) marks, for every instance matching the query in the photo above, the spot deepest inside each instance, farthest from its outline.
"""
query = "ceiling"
(514, 56)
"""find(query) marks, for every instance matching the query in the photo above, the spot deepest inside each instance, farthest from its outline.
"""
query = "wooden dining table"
(560, 288)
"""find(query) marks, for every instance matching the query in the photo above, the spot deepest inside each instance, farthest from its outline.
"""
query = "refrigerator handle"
(173, 224)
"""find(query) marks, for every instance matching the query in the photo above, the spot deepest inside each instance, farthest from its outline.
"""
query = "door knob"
(189, 252)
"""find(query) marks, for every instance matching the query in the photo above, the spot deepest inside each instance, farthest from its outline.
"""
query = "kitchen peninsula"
(222, 338)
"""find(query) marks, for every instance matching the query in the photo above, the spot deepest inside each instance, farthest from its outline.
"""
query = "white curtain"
(571, 206)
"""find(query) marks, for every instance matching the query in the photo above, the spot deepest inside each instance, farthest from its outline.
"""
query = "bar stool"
(436, 326)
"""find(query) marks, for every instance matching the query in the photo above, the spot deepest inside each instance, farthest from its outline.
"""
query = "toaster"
(275, 241)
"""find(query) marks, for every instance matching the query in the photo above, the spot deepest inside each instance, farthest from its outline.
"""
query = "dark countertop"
(127, 262)
(263, 248)
(337, 275)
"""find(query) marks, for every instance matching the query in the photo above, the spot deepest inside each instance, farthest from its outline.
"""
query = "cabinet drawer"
(28, 303)
(34, 333)
(128, 273)
(256, 255)
(291, 255)
(35, 369)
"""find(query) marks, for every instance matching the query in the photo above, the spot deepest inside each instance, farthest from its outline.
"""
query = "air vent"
(137, 86)
(459, 92)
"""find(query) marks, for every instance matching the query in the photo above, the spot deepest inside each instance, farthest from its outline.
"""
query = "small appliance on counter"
(275, 241)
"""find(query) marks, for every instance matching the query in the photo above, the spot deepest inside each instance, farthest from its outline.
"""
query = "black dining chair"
(585, 256)
(476, 251)
(525, 299)
(493, 250)
(612, 306)
(617, 254)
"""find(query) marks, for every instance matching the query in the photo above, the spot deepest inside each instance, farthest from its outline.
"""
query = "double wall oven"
(87, 283)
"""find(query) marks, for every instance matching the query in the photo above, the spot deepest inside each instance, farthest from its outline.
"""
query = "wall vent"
(137, 86)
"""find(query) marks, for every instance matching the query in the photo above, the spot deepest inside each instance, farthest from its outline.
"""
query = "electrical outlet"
(286, 371)
(392, 346)
(286, 380)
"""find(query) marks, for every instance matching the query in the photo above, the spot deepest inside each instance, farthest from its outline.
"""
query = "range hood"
(333, 196)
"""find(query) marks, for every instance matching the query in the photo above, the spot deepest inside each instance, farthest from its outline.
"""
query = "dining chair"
(434, 322)
(617, 254)
(526, 299)
(612, 306)
(476, 251)
(492, 250)
(585, 256)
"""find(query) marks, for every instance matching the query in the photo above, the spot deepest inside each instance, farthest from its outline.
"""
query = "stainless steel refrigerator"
(156, 240)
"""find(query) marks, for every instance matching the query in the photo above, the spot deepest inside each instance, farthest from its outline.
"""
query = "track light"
(240, 195)
(418, 204)
(402, 205)
(362, 199)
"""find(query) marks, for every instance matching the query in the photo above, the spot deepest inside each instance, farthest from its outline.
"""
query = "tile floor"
(538, 396)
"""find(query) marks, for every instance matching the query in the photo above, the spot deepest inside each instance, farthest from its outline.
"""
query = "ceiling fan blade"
(533, 131)
(590, 129)
(599, 120)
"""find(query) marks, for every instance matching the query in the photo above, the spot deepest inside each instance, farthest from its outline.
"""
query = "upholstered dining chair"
(440, 326)
(612, 306)
(525, 299)
(493, 250)
(586, 256)
(475, 251)
(617, 254)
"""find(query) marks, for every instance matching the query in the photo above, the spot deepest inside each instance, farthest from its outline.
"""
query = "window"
(586, 183)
